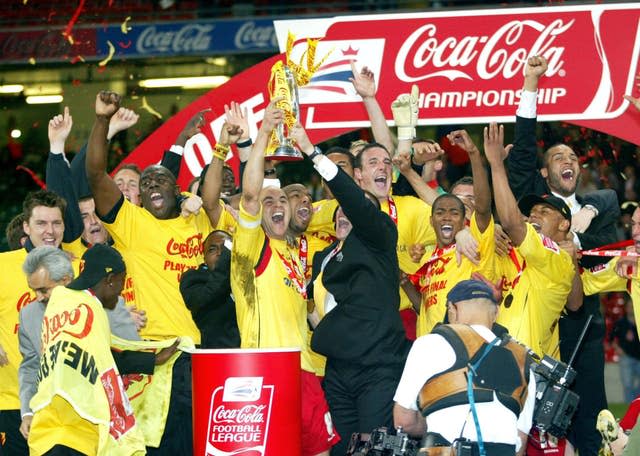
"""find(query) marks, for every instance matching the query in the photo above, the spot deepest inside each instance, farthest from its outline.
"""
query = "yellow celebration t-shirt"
(442, 273)
(604, 278)
(531, 308)
(14, 295)
(412, 217)
(157, 253)
(268, 284)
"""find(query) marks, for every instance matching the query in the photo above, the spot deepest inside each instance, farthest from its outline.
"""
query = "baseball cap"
(527, 202)
(99, 261)
(470, 289)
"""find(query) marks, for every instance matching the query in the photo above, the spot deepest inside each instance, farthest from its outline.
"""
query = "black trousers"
(177, 438)
(15, 444)
(360, 398)
(589, 385)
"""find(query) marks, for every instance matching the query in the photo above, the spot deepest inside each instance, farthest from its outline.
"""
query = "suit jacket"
(365, 327)
(207, 294)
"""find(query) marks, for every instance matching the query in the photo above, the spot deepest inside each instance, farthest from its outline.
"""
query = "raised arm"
(402, 161)
(365, 85)
(212, 184)
(106, 193)
(506, 204)
(522, 165)
(253, 176)
(481, 190)
(58, 176)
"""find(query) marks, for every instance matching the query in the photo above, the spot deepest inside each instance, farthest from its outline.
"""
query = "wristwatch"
(316, 151)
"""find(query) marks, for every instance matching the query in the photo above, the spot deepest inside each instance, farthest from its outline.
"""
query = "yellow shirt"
(603, 278)
(226, 222)
(539, 294)
(442, 273)
(271, 308)
(156, 253)
(77, 249)
(14, 295)
(412, 217)
(77, 366)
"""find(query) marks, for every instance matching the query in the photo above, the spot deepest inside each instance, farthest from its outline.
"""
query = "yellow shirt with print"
(414, 227)
(443, 273)
(271, 311)
(531, 313)
(227, 221)
(14, 295)
(77, 249)
(157, 253)
(604, 278)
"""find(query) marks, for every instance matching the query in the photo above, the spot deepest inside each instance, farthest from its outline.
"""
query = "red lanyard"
(303, 252)
(516, 263)
(393, 210)
(425, 269)
(294, 274)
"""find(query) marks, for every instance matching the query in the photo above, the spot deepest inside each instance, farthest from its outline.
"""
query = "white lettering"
(495, 55)
(487, 98)
(250, 36)
(189, 38)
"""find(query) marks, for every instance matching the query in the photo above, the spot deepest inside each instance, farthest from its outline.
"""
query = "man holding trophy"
(269, 284)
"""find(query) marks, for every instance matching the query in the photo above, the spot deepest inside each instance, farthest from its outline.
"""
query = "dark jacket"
(365, 327)
(207, 295)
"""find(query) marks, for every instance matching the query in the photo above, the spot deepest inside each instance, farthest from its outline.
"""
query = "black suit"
(362, 337)
(524, 178)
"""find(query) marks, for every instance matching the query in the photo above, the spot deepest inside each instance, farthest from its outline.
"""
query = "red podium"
(246, 402)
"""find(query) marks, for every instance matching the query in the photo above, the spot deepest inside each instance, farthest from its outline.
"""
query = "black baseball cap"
(527, 202)
(471, 289)
(99, 261)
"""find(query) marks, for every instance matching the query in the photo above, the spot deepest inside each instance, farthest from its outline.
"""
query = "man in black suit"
(361, 333)
(593, 225)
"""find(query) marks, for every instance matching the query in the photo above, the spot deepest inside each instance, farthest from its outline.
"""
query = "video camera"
(555, 403)
(381, 443)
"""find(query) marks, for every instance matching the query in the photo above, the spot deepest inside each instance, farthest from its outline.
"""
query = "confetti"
(77, 58)
(124, 28)
(149, 109)
(76, 82)
(32, 61)
(112, 51)
(67, 31)
(124, 45)
(24, 2)
(51, 14)
(33, 175)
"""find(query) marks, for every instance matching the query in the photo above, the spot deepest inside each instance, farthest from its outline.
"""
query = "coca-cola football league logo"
(239, 417)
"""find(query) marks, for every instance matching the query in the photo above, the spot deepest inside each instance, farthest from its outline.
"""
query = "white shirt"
(432, 354)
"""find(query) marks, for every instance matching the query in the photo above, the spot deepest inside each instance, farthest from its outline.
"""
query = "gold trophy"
(284, 82)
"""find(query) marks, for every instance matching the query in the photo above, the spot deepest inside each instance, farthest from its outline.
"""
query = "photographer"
(499, 417)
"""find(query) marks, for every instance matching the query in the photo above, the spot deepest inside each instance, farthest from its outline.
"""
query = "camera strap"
(472, 402)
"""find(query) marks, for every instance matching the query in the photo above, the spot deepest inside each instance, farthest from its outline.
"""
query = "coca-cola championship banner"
(468, 65)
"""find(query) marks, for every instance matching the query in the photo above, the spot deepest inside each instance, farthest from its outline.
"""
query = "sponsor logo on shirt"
(76, 323)
(190, 248)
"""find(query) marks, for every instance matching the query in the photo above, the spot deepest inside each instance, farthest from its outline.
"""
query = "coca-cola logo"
(501, 54)
(189, 38)
(249, 414)
(76, 322)
(25, 299)
(190, 248)
(251, 35)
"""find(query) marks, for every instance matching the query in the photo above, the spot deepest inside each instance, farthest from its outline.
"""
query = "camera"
(381, 443)
(555, 403)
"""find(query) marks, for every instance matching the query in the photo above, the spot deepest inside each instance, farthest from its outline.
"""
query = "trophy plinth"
(285, 152)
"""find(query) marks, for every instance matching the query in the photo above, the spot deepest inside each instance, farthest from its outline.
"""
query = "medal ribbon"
(393, 210)
(293, 271)
(303, 252)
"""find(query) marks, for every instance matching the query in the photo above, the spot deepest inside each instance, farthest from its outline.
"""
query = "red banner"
(468, 65)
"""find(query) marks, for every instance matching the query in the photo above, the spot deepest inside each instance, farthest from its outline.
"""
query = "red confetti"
(76, 82)
(51, 14)
(72, 21)
(35, 125)
(124, 45)
(102, 68)
(33, 175)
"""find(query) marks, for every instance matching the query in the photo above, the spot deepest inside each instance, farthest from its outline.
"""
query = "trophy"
(284, 82)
